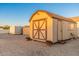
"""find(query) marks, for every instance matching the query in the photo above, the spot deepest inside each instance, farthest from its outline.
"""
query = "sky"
(20, 13)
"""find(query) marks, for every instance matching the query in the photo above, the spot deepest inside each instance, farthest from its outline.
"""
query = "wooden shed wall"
(66, 30)
(42, 15)
(76, 19)
(12, 30)
(26, 30)
(57, 30)
(15, 30)
(78, 29)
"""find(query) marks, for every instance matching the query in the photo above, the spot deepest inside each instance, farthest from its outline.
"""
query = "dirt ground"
(17, 45)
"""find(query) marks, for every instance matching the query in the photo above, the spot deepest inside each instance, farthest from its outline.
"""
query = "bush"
(6, 27)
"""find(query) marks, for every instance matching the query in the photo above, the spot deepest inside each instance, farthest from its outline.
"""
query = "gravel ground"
(17, 45)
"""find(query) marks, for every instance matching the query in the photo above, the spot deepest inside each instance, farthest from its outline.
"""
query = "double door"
(40, 29)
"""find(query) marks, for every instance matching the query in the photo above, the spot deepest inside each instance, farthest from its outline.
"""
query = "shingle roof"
(53, 15)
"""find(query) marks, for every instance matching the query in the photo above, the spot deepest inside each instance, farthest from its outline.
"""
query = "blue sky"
(19, 14)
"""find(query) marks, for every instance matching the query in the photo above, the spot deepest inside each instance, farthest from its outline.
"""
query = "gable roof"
(53, 15)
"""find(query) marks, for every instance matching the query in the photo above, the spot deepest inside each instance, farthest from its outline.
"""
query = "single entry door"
(40, 29)
(57, 29)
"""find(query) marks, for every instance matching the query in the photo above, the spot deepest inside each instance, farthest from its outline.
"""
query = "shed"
(15, 30)
(26, 30)
(69, 29)
(76, 19)
(46, 26)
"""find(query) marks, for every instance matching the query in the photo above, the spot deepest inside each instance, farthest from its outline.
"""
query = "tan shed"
(15, 30)
(46, 26)
(76, 19)
(69, 28)
(26, 30)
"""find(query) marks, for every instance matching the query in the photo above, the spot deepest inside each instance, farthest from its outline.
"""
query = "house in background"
(46, 26)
